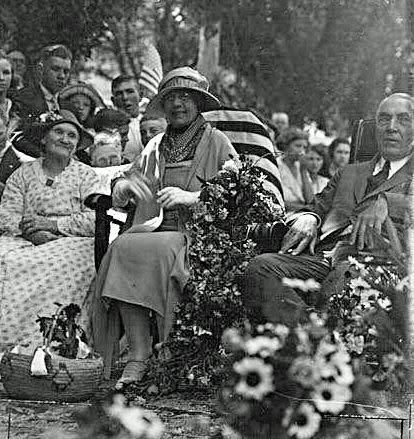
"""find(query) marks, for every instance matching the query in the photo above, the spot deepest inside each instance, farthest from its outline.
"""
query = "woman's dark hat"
(184, 78)
(82, 89)
(37, 130)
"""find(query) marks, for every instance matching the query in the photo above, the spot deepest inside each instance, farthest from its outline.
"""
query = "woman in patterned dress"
(46, 233)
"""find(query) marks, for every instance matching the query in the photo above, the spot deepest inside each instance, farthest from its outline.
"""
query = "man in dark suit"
(53, 69)
(30, 102)
(361, 200)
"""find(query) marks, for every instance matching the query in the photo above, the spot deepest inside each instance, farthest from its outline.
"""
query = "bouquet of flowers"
(283, 383)
(360, 314)
(63, 334)
(231, 203)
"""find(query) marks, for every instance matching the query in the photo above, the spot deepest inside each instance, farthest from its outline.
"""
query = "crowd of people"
(58, 138)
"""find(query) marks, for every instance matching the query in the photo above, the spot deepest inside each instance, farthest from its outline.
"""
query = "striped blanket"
(250, 138)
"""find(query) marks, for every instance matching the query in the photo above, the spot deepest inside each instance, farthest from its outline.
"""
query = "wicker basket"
(68, 380)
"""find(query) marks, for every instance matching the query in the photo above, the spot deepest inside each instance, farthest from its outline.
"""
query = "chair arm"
(98, 202)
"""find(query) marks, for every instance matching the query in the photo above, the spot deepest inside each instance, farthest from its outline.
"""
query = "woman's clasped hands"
(38, 229)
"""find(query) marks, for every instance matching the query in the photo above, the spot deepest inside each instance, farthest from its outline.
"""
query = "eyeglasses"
(183, 96)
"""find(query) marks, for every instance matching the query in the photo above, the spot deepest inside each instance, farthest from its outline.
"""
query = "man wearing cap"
(146, 268)
(125, 97)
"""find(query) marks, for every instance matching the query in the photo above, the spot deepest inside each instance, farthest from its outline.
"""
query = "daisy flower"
(255, 378)
(384, 303)
(263, 346)
(403, 283)
(369, 295)
(331, 397)
(305, 372)
(358, 265)
(232, 340)
(359, 284)
(305, 422)
(138, 422)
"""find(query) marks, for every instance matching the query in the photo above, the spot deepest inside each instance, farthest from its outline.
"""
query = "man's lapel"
(403, 175)
(365, 170)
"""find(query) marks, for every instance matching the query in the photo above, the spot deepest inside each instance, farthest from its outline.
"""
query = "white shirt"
(395, 165)
(51, 100)
(134, 145)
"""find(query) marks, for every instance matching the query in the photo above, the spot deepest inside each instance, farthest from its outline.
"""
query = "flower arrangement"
(291, 383)
(230, 203)
(62, 334)
(359, 313)
(49, 117)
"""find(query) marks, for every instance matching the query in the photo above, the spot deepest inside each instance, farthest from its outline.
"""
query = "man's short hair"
(58, 50)
(116, 82)
(404, 96)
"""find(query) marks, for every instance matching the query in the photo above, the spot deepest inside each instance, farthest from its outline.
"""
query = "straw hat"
(184, 78)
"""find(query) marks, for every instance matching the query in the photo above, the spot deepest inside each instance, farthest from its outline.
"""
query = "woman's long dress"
(147, 269)
(33, 278)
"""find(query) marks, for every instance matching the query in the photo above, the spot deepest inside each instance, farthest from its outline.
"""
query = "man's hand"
(170, 197)
(302, 234)
(31, 224)
(368, 221)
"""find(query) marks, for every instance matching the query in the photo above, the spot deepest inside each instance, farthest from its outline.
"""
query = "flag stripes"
(249, 137)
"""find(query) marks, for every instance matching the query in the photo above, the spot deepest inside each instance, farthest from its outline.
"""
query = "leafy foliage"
(361, 312)
(218, 255)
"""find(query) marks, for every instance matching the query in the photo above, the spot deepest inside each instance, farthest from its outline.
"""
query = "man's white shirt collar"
(395, 165)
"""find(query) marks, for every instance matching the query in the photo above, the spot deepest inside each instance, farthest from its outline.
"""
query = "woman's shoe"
(133, 372)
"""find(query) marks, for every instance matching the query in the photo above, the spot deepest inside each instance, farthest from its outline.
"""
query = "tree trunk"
(209, 50)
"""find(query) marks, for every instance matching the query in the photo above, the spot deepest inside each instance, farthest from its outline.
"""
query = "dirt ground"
(185, 416)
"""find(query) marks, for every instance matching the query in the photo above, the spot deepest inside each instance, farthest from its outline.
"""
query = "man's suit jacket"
(29, 103)
(344, 197)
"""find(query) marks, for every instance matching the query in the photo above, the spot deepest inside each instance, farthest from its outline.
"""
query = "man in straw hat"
(146, 268)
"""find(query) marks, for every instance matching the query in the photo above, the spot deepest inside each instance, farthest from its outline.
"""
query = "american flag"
(150, 79)
(249, 137)
(151, 70)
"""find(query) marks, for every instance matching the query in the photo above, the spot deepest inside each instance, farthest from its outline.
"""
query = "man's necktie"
(376, 180)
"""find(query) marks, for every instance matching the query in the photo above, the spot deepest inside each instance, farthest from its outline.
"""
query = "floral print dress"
(33, 278)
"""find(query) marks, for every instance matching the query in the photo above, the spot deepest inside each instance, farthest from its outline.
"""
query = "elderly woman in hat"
(46, 232)
(146, 268)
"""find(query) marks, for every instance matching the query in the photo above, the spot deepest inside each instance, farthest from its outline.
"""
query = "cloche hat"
(184, 78)
(83, 89)
(37, 130)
